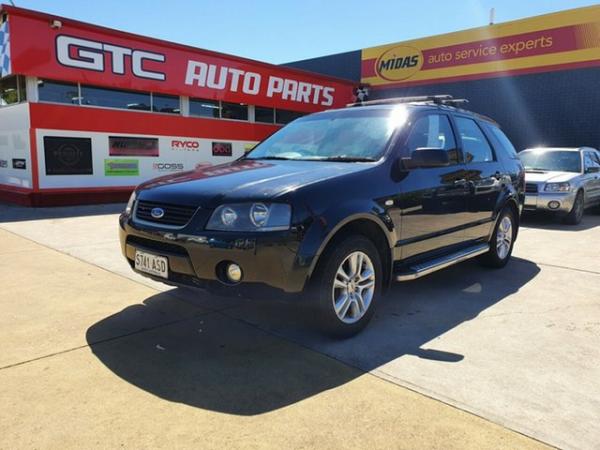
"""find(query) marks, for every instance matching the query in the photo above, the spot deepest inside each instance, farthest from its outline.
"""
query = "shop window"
(265, 115)
(165, 103)
(12, 90)
(283, 116)
(113, 98)
(57, 92)
(234, 111)
(205, 108)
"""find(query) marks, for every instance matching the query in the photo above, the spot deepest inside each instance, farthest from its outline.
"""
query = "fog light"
(553, 204)
(234, 273)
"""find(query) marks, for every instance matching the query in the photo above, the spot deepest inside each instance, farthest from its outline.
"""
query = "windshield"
(346, 135)
(560, 161)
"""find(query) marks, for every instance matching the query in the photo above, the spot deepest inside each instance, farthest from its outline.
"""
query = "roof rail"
(442, 99)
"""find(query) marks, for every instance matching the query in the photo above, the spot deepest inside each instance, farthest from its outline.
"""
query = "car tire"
(343, 294)
(576, 214)
(502, 241)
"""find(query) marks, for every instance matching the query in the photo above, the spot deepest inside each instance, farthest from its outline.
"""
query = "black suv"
(336, 206)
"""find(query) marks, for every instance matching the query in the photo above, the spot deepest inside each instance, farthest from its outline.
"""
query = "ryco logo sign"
(91, 55)
(399, 63)
(192, 146)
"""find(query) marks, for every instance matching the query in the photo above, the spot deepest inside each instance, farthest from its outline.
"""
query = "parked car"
(334, 207)
(565, 181)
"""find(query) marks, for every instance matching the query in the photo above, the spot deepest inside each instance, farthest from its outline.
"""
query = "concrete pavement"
(92, 359)
(518, 346)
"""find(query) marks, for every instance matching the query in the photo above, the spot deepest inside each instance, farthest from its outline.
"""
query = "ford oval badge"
(157, 213)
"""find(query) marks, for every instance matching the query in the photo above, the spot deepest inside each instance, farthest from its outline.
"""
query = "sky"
(285, 30)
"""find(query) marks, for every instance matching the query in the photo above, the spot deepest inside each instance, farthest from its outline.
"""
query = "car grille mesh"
(531, 188)
(174, 215)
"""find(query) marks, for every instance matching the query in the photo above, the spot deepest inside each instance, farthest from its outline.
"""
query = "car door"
(591, 177)
(485, 176)
(432, 200)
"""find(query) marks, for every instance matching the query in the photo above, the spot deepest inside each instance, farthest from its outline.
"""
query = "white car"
(562, 180)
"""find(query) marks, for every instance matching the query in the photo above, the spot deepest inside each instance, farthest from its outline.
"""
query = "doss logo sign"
(399, 63)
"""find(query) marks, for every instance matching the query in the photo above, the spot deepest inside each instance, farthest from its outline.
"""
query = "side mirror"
(425, 157)
(592, 169)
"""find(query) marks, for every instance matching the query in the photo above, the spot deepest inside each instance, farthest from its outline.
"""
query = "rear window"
(501, 141)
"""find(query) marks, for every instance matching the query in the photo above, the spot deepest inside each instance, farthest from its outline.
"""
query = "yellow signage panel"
(555, 41)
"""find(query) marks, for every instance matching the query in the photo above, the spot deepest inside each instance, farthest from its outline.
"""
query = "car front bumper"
(561, 202)
(267, 260)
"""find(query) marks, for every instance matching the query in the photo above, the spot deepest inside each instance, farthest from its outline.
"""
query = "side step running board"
(427, 267)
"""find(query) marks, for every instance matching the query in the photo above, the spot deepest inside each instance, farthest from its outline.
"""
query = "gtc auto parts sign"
(76, 52)
(554, 41)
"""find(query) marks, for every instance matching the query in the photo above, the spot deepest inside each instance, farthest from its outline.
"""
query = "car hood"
(242, 180)
(549, 177)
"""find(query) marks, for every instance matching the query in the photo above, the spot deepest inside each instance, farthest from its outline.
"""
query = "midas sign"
(399, 63)
(551, 42)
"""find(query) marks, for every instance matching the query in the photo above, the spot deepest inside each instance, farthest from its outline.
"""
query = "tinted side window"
(596, 157)
(589, 160)
(502, 141)
(433, 131)
(475, 146)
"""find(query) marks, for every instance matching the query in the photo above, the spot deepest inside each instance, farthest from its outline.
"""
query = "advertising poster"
(132, 146)
(222, 149)
(68, 155)
(121, 167)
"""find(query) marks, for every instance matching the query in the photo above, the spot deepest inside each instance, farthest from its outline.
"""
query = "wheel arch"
(510, 201)
(368, 226)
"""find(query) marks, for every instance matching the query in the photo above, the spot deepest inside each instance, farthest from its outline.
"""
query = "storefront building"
(539, 77)
(87, 113)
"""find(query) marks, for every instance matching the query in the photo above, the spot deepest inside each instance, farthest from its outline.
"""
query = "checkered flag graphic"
(5, 68)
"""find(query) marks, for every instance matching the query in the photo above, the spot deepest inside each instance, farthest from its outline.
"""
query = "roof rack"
(442, 99)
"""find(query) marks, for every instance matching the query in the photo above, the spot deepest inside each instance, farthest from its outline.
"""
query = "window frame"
(488, 129)
(21, 89)
(591, 156)
(485, 136)
(404, 151)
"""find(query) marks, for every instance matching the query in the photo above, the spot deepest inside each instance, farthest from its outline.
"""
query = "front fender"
(324, 227)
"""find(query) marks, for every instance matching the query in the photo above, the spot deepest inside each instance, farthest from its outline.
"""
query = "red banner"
(523, 45)
(78, 52)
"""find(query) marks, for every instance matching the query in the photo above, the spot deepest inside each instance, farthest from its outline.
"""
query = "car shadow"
(16, 213)
(234, 361)
(548, 221)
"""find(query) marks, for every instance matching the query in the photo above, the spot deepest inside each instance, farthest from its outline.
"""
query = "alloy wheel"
(353, 287)
(504, 237)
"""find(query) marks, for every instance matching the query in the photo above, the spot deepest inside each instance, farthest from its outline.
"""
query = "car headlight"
(251, 217)
(557, 187)
(130, 203)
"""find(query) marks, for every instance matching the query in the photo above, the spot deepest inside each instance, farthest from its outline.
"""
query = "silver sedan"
(562, 180)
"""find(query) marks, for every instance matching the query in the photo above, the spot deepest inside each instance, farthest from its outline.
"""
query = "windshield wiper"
(344, 158)
(280, 158)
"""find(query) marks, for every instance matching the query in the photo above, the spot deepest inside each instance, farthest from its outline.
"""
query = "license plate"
(152, 264)
(530, 200)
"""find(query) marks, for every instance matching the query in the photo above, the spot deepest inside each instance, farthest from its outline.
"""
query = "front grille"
(175, 215)
(531, 188)
(159, 247)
